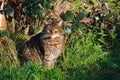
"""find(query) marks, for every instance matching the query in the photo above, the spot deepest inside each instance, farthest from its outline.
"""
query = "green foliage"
(79, 26)
(9, 11)
(89, 53)
(74, 19)
(80, 16)
(68, 16)
(33, 7)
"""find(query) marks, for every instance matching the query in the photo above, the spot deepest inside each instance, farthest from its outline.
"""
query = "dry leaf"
(85, 20)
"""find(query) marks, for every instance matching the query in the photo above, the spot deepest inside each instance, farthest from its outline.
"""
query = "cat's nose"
(54, 32)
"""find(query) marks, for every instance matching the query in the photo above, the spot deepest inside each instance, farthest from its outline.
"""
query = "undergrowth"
(83, 58)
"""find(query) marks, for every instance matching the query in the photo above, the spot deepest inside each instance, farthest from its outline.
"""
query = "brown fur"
(44, 47)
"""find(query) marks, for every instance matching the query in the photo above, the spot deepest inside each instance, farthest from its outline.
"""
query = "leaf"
(49, 1)
(68, 16)
(9, 11)
(28, 4)
(80, 16)
(35, 1)
(85, 20)
(42, 14)
(35, 77)
(44, 2)
(49, 6)
(79, 26)
(36, 11)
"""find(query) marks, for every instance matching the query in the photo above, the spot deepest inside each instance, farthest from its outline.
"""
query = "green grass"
(83, 58)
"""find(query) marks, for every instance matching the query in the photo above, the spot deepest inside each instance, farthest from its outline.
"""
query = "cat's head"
(53, 29)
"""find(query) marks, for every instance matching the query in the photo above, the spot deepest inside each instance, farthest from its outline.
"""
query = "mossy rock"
(8, 53)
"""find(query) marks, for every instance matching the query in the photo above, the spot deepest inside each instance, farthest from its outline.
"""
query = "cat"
(45, 47)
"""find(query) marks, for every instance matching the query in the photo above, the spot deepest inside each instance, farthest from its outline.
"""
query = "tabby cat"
(45, 47)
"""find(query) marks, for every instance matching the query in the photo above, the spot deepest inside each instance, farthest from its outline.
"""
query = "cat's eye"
(49, 31)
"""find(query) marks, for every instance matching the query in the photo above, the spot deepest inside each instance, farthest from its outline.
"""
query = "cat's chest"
(53, 43)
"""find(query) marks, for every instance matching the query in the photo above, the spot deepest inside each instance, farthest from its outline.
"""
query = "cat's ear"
(60, 23)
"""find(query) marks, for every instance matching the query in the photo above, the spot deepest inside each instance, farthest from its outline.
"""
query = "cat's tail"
(43, 35)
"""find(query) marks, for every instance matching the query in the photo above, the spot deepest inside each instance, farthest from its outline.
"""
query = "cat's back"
(33, 49)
